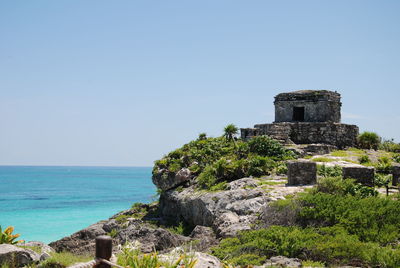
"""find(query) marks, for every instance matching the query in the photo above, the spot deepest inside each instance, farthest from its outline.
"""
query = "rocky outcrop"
(226, 212)
(202, 260)
(130, 229)
(282, 261)
(16, 256)
(203, 238)
(45, 250)
(166, 180)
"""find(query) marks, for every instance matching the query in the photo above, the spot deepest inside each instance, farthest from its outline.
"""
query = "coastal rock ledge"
(226, 212)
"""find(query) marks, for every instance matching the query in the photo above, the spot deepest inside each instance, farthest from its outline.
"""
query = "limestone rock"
(206, 261)
(166, 180)
(13, 255)
(205, 238)
(151, 237)
(282, 261)
(203, 260)
(226, 212)
(45, 249)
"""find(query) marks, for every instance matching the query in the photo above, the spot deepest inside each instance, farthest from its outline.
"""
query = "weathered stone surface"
(13, 255)
(319, 120)
(302, 172)
(363, 175)
(226, 212)
(336, 134)
(149, 236)
(45, 249)
(203, 260)
(319, 149)
(205, 236)
(395, 174)
(166, 180)
(318, 106)
(282, 261)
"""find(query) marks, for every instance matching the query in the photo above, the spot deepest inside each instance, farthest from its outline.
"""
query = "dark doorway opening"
(298, 114)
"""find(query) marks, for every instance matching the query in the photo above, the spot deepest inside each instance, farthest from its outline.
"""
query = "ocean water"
(48, 203)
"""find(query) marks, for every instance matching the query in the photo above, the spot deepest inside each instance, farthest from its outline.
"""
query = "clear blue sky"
(124, 82)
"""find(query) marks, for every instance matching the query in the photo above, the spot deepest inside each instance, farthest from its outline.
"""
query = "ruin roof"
(309, 95)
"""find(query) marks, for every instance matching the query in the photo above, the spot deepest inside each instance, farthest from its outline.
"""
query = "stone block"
(395, 174)
(302, 172)
(363, 175)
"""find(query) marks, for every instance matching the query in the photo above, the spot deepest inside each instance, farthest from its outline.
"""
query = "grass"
(322, 159)
(130, 256)
(340, 153)
(37, 249)
(64, 259)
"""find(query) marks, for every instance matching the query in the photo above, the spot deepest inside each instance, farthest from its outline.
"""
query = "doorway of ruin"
(298, 114)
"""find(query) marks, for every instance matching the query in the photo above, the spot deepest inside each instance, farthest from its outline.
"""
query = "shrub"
(332, 245)
(266, 146)
(390, 146)
(325, 171)
(369, 140)
(384, 165)
(202, 136)
(364, 159)
(396, 158)
(259, 166)
(382, 180)
(372, 219)
(207, 178)
(216, 160)
(339, 186)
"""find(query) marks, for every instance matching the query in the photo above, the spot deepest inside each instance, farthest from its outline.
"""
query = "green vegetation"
(230, 131)
(215, 161)
(63, 259)
(332, 245)
(37, 249)
(369, 140)
(7, 236)
(340, 153)
(364, 159)
(390, 146)
(113, 233)
(325, 171)
(384, 165)
(131, 257)
(337, 223)
(322, 159)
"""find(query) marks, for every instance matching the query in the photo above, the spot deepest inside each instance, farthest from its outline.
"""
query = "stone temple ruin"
(307, 117)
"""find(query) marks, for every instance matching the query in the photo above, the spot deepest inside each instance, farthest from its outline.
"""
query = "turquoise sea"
(48, 203)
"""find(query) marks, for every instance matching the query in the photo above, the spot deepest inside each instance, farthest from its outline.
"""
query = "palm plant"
(230, 131)
(6, 236)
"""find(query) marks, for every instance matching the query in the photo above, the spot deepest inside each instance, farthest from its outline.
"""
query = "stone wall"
(318, 105)
(363, 175)
(339, 135)
(302, 172)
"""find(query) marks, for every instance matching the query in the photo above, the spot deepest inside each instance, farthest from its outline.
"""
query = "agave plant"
(6, 236)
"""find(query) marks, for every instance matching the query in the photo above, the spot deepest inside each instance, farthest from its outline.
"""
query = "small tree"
(230, 131)
(369, 140)
(202, 136)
